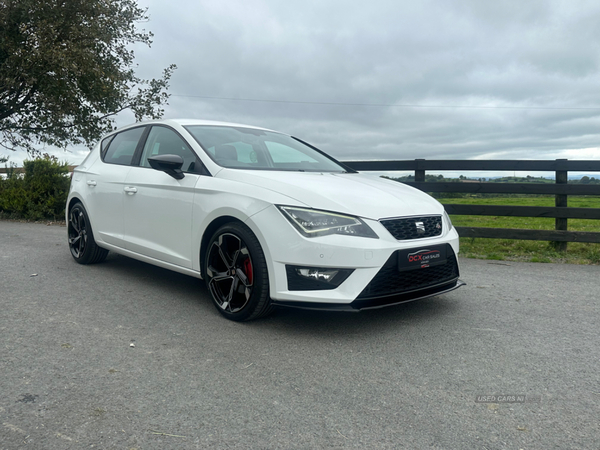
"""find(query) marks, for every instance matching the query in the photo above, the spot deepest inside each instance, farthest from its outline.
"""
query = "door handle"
(91, 183)
(130, 190)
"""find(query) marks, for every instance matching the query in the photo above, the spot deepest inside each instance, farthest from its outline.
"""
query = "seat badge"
(420, 227)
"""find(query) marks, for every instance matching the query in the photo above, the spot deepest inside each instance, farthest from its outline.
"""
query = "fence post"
(419, 171)
(561, 200)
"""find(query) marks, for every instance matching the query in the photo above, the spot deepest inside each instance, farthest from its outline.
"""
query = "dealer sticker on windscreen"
(421, 258)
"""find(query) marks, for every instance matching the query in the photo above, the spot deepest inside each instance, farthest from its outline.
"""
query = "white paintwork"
(352, 193)
(164, 220)
(102, 192)
(158, 216)
(284, 245)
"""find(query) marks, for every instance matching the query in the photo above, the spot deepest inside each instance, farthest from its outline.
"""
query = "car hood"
(358, 194)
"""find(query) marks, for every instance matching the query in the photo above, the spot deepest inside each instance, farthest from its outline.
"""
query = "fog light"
(315, 278)
(317, 274)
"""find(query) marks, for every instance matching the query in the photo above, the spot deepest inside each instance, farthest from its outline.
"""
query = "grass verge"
(529, 251)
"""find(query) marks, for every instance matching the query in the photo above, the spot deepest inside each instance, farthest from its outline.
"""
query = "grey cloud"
(526, 53)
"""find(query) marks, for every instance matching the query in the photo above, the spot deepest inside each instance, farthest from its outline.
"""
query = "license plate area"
(421, 258)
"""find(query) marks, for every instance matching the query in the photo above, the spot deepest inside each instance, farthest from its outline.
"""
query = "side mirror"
(170, 164)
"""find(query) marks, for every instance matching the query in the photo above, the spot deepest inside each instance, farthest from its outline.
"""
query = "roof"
(187, 122)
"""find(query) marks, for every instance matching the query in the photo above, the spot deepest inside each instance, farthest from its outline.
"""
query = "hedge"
(38, 194)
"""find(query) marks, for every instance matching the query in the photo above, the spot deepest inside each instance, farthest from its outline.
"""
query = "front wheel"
(236, 273)
(81, 239)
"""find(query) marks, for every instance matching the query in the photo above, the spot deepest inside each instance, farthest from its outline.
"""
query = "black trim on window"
(105, 144)
(137, 155)
(346, 168)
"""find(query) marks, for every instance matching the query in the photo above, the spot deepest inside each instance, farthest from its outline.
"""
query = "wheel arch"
(83, 246)
(72, 201)
(76, 198)
(209, 231)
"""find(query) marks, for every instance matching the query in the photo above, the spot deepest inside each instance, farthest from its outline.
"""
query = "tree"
(66, 71)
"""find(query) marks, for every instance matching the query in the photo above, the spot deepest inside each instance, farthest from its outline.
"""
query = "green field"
(532, 251)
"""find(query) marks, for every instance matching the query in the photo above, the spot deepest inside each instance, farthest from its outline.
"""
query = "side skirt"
(149, 260)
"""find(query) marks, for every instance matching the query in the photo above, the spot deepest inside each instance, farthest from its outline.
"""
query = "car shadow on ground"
(404, 315)
(192, 291)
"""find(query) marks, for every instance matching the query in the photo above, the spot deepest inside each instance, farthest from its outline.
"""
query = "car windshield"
(249, 148)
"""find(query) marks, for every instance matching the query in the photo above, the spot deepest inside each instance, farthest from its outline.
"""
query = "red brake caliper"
(248, 269)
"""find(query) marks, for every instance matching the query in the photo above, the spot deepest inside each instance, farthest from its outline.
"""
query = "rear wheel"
(236, 273)
(81, 239)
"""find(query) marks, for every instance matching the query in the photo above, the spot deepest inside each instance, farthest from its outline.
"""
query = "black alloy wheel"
(236, 273)
(81, 238)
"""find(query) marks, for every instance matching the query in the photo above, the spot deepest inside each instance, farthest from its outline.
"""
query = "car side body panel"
(100, 188)
(157, 215)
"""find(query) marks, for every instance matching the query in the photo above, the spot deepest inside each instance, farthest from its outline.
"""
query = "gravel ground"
(124, 355)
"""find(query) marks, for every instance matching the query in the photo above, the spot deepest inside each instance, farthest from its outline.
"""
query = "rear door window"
(122, 147)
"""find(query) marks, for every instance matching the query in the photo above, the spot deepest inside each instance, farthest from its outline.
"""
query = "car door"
(106, 182)
(157, 207)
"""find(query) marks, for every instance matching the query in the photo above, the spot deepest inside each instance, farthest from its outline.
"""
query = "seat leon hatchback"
(263, 217)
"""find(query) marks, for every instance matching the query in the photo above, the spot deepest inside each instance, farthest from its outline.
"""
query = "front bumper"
(373, 263)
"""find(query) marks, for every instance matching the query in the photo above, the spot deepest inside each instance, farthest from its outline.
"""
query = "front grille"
(414, 227)
(390, 281)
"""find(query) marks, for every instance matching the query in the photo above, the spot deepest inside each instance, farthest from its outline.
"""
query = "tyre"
(236, 273)
(81, 238)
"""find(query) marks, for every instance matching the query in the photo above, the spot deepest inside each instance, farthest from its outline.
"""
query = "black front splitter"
(378, 302)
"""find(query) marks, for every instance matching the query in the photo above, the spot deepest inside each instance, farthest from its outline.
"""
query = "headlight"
(312, 223)
(450, 226)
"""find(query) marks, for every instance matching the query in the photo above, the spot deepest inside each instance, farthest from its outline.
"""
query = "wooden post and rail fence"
(561, 189)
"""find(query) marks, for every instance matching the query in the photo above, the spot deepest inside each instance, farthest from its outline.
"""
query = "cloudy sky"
(385, 79)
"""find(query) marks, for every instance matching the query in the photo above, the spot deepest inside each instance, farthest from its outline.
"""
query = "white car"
(264, 218)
